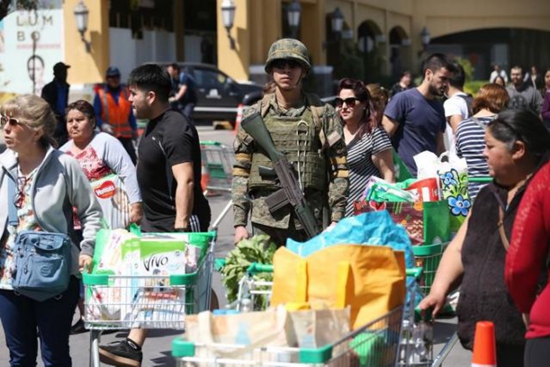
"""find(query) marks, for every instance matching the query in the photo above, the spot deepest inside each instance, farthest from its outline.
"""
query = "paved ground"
(157, 350)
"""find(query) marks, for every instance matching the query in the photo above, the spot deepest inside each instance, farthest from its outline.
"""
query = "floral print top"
(27, 221)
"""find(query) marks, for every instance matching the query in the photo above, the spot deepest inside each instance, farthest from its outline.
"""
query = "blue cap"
(112, 71)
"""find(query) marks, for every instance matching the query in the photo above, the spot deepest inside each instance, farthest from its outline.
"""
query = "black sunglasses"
(350, 102)
(9, 120)
(282, 63)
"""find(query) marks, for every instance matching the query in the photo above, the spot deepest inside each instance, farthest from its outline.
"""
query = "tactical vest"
(298, 138)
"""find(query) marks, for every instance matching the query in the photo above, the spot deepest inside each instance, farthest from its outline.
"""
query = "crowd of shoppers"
(499, 257)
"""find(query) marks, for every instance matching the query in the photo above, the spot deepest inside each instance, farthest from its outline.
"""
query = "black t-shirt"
(170, 139)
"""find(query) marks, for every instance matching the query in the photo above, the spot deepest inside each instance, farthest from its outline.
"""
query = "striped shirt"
(361, 167)
(470, 143)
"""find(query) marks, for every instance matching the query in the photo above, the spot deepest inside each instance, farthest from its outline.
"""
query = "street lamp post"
(81, 16)
(293, 12)
(425, 38)
(337, 21)
(228, 17)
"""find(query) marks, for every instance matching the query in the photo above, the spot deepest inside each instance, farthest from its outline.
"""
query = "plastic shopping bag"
(374, 228)
(453, 175)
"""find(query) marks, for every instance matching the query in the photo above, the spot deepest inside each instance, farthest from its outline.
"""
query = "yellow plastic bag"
(369, 279)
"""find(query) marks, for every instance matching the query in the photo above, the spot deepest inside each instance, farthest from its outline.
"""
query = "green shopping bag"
(401, 171)
(425, 222)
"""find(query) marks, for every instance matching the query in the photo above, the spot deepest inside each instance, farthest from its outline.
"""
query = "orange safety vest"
(115, 114)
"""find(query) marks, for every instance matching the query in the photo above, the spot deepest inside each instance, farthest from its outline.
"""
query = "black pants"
(128, 145)
(510, 355)
(537, 352)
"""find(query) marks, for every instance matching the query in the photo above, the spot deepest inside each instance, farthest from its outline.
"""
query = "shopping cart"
(374, 344)
(118, 302)
(217, 164)
(428, 257)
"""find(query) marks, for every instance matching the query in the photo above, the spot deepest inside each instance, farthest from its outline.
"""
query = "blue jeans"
(22, 316)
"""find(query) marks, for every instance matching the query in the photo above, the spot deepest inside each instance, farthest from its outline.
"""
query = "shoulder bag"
(42, 259)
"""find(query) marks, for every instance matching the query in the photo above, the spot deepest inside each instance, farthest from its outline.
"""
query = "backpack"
(468, 99)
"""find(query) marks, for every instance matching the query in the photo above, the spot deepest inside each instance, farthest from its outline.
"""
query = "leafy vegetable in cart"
(257, 249)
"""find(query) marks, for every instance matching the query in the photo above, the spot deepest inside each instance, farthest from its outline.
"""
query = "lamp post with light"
(228, 17)
(81, 13)
(293, 13)
(425, 38)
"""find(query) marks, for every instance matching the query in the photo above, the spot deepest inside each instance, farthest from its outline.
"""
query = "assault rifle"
(290, 192)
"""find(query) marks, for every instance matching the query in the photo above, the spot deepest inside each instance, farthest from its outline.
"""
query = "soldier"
(309, 133)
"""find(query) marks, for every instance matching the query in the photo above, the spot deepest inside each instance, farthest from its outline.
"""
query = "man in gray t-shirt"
(522, 94)
(415, 119)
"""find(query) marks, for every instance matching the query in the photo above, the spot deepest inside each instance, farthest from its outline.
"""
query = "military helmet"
(288, 48)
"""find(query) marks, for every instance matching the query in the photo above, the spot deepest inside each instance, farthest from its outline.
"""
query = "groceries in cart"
(141, 267)
(425, 218)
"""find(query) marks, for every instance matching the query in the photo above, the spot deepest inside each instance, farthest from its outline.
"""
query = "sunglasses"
(350, 102)
(282, 63)
(9, 120)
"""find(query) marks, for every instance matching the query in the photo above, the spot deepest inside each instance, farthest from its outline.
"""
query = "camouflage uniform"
(325, 180)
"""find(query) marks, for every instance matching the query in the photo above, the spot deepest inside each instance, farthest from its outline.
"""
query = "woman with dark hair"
(369, 147)
(104, 161)
(404, 83)
(470, 142)
(49, 185)
(517, 144)
(499, 80)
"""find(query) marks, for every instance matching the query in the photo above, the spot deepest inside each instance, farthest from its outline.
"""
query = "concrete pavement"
(157, 349)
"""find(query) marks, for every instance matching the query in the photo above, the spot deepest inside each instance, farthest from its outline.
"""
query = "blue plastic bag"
(373, 228)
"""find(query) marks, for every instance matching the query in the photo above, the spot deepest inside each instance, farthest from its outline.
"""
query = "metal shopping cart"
(374, 344)
(379, 343)
(217, 164)
(118, 302)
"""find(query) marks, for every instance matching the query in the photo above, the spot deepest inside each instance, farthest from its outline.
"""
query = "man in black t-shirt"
(169, 174)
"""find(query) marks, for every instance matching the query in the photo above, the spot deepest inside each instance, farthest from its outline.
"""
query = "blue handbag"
(42, 259)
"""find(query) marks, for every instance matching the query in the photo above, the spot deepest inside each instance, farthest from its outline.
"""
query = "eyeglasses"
(350, 102)
(282, 63)
(9, 120)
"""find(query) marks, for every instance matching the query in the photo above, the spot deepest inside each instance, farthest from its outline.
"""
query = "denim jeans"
(22, 317)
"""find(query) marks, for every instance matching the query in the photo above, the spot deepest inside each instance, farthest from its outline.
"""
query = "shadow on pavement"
(166, 360)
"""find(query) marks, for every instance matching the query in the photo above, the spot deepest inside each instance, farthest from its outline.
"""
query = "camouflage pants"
(279, 236)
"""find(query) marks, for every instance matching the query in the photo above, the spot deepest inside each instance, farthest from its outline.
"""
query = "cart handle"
(480, 179)
(414, 272)
(256, 268)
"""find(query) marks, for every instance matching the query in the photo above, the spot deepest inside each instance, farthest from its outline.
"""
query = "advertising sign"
(31, 43)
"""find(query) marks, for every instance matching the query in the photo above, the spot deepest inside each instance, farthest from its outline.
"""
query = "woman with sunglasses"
(517, 144)
(49, 184)
(101, 155)
(369, 147)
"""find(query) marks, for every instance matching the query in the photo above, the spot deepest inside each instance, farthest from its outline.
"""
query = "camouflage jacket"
(335, 195)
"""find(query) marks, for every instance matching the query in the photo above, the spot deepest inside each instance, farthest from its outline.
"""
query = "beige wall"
(258, 24)
(87, 67)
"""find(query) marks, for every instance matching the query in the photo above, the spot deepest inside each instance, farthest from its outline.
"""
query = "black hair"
(360, 92)
(459, 77)
(174, 66)
(511, 126)
(85, 107)
(437, 61)
(152, 78)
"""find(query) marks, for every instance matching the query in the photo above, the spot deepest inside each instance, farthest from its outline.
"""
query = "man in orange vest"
(114, 112)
